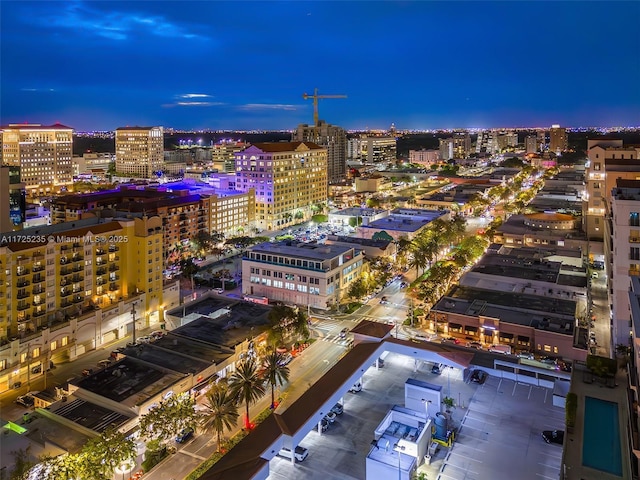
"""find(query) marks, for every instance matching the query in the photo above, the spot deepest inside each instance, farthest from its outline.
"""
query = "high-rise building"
(289, 179)
(378, 150)
(458, 146)
(223, 154)
(558, 141)
(622, 253)
(608, 161)
(12, 199)
(139, 151)
(531, 144)
(43, 154)
(334, 139)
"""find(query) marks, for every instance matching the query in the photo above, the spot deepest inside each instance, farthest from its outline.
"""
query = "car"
(553, 436)
(184, 435)
(36, 369)
(594, 274)
(219, 290)
(548, 360)
(104, 363)
(285, 360)
(479, 376)
(356, 388)
(338, 409)
(330, 417)
(525, 355)
(87, 371)
(300, 453)
(158, 334)
(383, 300)
(343, 332)
(25, 400)
(403, 284)
(145, 339)
(437, 368)
(380, 363)
(476, 345)
(452, 340)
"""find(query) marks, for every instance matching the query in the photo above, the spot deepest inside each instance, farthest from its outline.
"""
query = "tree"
(275, 372)
(188, 267)
(101, 455)
(357, 289)
(169, 417)
(220, 410)
(62, 467)
(287, 324)
(246, 385)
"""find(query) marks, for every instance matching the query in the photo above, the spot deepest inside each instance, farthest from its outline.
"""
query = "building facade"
(12, 199)
(223, 155)
(303, 274)
(424, 157)
(558, 141)
(139, 151)
(609, 160)
(43, 153)
(334, 139)
(289, 179)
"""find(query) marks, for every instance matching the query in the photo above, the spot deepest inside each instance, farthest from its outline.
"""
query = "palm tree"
(220, 410)
(275, 372)
(246, 385)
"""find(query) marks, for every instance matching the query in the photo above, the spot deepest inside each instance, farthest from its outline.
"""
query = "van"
(504, 349)
(300, 453)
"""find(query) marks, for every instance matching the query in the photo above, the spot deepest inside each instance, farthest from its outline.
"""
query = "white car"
(356, 388)
(145, 339)
(219, 290)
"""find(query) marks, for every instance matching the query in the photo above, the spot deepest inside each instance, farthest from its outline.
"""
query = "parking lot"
(499, 425)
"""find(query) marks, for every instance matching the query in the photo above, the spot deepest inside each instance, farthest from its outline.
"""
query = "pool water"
(601, 447)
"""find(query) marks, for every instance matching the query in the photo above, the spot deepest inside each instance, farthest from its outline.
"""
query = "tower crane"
(315, 98)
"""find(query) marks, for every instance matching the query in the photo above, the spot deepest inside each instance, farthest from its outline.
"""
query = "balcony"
(114, 268)
(64, 248)
(99, 281)
(22, 271)
(65, 304)
(114, 278)
(37, 256)
(65, 293)
(100, 251)
(101, 271)
(41, 313)
(64, 260)
(114, 258)
(77, 299)
(77, 258)
(37, 268)
(634, 239)
(23, 260)
(113, 287)
(78, 268)
(99, 261)
(37, 290)
(23, 283)
(37, 279)
(113, 248)
(23, 306)
(24, 318)
(66, 271)
(77, 278)
(23, 294)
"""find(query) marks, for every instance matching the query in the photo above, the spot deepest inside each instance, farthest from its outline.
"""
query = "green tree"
(220, 410)
(62, 467)
(101, 455)
(188, 267)
(275, 372)
(169, 417)
(287, 325)
(23, 462)
(357, 289)
(246, 385)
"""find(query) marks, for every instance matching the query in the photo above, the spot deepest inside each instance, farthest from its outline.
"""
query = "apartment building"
(288, 178)
(43, 153)
(223, 155)
(12, 199)
(139, 151)
(303, 274)
(334, 139)
(609, 160)
(531, 144)
(424, 157)
(73, 286)
(458, 146)
(622, 252)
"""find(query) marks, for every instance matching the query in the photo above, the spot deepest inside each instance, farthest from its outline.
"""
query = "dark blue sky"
(245, 65)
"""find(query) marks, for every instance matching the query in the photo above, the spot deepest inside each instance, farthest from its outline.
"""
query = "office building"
(303, 274)
(424, 157)
(334, 139)
(531, 144)
(223, 155)
(43, 153)
(12, 199)
(139, 151)
(558, 141)
(289, 178)
(378, 150)
(609, 160)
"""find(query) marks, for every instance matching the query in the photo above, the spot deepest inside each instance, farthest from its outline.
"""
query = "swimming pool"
(601, 447)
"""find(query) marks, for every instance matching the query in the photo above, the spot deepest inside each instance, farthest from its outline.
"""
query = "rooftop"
(303, 250)
(358, 212)
(89, 415)
(406, 222)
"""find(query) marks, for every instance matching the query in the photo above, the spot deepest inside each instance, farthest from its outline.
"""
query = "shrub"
(571, 409)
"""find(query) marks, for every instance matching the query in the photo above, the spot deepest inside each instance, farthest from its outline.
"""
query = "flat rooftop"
(543, 313)
(405, 222)
(515, 226)
(357, 212)
(89, 415)
(182, 359)
(129, 382)
(301, 249)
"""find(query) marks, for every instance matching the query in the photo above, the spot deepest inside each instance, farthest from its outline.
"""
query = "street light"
(399, 448)
(133, 317)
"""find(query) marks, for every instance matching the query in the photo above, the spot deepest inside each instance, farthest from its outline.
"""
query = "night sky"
(245, 65)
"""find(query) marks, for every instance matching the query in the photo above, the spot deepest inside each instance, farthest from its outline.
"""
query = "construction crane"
(315, 97)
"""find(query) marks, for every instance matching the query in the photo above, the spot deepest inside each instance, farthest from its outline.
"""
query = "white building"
(139, 151)
(300, 273)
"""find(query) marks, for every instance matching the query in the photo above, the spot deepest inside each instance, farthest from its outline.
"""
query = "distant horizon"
(218, 65)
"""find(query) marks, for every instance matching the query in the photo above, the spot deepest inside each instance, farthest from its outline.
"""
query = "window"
(36, 352)
(53, 345)
(65, 341)
(23, 357)
(634, 219)
(634, 253)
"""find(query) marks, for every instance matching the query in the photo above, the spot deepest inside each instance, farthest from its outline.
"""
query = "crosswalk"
(328, 330)
(346, 342)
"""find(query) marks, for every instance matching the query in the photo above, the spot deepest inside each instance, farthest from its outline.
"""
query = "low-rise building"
(402, 223)
(305, 274)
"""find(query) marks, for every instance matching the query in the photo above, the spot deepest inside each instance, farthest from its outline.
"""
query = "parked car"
(553, 436)
(158, 334)
(548, 360)
(356, 388)
(380, 363)
(324, 425)
(383, 300)
(145, 339)
(184, 435)
(479, 376)
(87, 371)
(219, 290)
(300, 453)
(476, 345)
(338, 409)
(526, 355)
(343, 332)
(285, 360)
(330, 417)
(104, 363)
(25, 400)
(437, 368)
(452, 340)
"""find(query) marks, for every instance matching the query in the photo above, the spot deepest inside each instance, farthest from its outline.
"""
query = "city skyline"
(245, 65)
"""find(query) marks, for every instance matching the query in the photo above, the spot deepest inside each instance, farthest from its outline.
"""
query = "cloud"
(115, 25)
(268, 106)
(194, 95)
(193, 104)
(29, 89)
